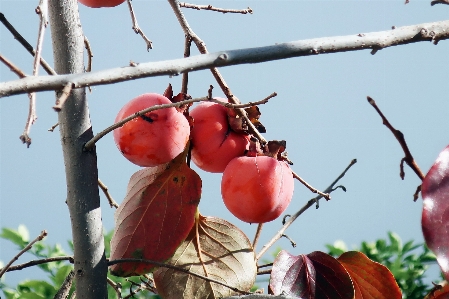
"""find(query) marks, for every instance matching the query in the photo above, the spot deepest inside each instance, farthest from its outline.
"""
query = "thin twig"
(439, 2)
(89, 54)
(116, 286)
(136, 27)
(210, 7)
(400, 138)
(65, 93)
(15, 69)
(131, 291)
(218, 77)
(39, 262)
(263, 272)
(25, 44)
(265, 265)
(310, 203)
(41, 10)
(185, 75)
(90, 144)
(53, 127)
(159, 264)
(64, 290)
(28, 247)
(314, 190)
(105, 190)
(257, 235)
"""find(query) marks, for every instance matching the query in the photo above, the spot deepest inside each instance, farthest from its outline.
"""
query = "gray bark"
(83, 197)
(375, 41)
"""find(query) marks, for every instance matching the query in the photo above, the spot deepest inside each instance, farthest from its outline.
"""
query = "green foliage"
(407, 262)
(56, 272)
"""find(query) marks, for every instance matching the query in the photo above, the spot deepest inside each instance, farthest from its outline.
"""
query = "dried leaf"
(224, 254)
(254, 114)
(371, 280)
(313, 276)
(156, 215)
(168, 93)
(435, 215)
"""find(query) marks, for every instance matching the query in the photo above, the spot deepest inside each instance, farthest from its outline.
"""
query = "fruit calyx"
(274, 149)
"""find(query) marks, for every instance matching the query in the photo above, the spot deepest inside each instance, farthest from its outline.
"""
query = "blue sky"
(321, 110)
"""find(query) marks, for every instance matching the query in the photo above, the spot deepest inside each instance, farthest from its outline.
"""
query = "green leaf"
(32, 296)
(396, 242)
(11, 294)
(38, 287)
(14, 236)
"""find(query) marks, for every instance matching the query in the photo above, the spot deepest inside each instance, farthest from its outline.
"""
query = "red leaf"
(312, 276)
(371, 280)
(156, 215)
(435, 215)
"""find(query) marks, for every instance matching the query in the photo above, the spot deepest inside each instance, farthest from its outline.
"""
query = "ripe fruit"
(154, 138)
(101, 3)
(257, 189)
(214, 142)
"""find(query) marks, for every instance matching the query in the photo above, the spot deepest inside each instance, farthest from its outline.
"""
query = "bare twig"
(314, 190)
(105, 190)
(89, 54)
(263, 272)
(39, 262)
(53, 127)
(41, 10)
(64, 290)
(185, 75)
(28, 247)
(116, 286)
(113, 262)
(399, 36)
(25, 44)
(218, 77)
(310, 203)
(15, 69)
(257, 235)
(265, 265)
(90, 144)
(416, 195)
(290, 239)
(400, 138)
(64, 95)
(210, 7)
(136, 27)
(439, 2)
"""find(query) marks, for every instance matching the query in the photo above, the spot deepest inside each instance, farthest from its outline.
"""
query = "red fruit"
(214, 142)
(257, 189)
(101, 3)
(154, 138)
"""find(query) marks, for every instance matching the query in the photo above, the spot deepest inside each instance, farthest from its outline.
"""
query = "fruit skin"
(101, 3)
(257, 189)
(214, 142)
(154, 139)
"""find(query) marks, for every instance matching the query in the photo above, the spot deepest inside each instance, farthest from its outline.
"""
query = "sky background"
(321, 110)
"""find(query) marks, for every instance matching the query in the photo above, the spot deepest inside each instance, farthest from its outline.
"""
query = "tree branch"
(302, 210)
(39, 262)
(400, 138)
(210, 7)
(401, 35)
(28, 247)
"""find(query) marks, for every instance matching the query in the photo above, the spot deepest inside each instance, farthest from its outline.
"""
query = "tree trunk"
(75, 128)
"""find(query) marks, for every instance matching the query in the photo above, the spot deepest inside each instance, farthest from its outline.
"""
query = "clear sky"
(321, 110)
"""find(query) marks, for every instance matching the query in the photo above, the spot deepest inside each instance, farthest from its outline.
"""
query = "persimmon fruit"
(215, 144)
(154, 138)
(257, 189)
(101, 3)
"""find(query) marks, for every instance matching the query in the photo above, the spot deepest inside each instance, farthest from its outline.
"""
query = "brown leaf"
(224, 254)
(168, 93)
(371, 280)
(254, 115)
(156, 215)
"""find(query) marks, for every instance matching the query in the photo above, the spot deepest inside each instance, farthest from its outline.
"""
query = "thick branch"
(376, 40)
(83, 198)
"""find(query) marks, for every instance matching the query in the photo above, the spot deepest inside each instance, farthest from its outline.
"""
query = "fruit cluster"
(257, 185)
